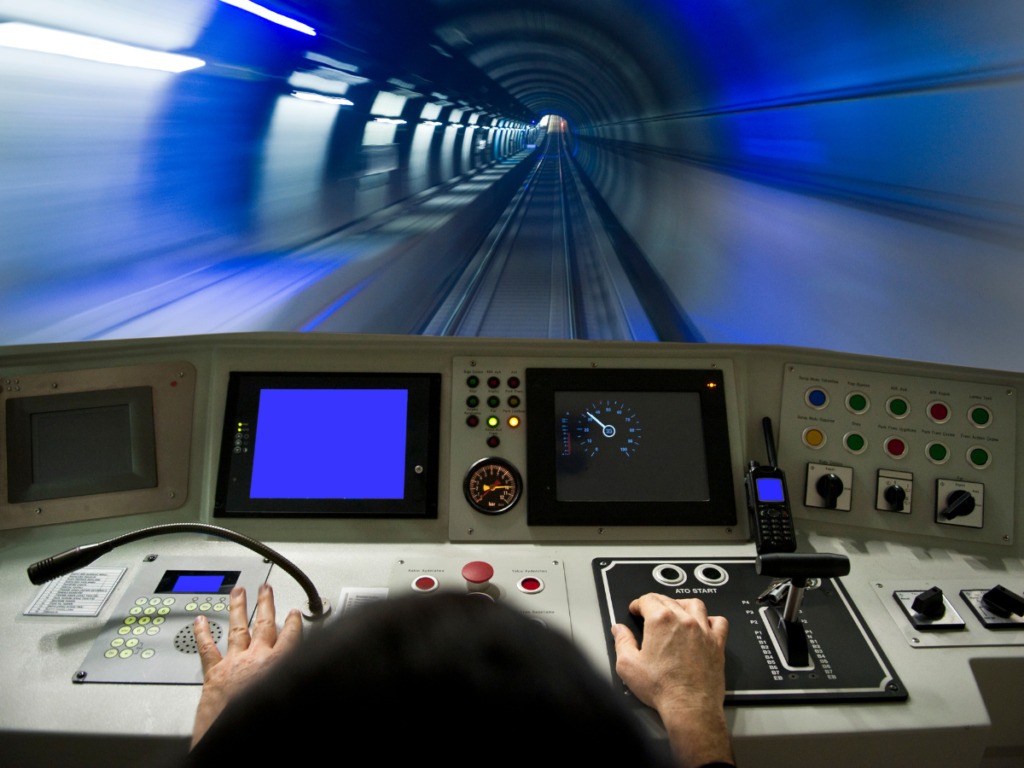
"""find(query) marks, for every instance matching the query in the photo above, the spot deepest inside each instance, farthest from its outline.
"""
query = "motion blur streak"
(845, 175)
(277, 18)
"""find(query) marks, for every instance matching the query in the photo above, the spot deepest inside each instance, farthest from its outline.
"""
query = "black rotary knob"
(896, 497)
(830, 487)
(958, 504)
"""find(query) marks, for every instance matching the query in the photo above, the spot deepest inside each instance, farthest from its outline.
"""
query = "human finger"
(719, 628)
(238, 622)
(695, 608)
(264, 629)
(626, 647)
(644, 604)
(291, 632)
(209, 653)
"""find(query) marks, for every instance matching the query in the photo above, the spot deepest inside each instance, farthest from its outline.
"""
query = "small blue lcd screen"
(330, 444)
(769, 489)
(206, 583)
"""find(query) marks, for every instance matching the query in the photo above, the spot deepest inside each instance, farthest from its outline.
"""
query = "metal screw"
(266, 559)
(401, 562)
(16, 381)
(182, 374)
(915, 640)
(714, 365)
(878, 585)
(791, 369)
(603, 562)
(593, 365)
(728, 530)
(893, 687)
(1009, 391)
(39, 510)
(472, 363)
(554, 562)
(470, 530)
(80, 675)
(600, 530)
(1006, 537)
(171, 494)
(17, 389)
(150, 558)
(54, 385)
(418, 469)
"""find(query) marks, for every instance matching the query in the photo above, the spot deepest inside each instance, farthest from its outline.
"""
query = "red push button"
(895, 447)
(424, 584)
(530, 585)
(938, 412)
(478, 575)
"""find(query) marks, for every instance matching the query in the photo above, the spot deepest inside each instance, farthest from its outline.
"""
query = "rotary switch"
(930, 603)
(958, 504)
(896, 497)
(830, 487)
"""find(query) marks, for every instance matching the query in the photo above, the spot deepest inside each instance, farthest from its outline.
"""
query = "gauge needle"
(594, 418)
(489, 488)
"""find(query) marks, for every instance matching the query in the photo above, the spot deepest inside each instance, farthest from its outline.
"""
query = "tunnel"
(845, 176)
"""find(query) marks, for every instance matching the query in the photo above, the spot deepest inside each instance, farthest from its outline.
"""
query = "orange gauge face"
(492, 486)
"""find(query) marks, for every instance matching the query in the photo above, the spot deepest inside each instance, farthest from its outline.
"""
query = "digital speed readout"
(606, 426)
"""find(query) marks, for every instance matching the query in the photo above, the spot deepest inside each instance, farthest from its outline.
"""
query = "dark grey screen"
(81, 443)
(630, 447)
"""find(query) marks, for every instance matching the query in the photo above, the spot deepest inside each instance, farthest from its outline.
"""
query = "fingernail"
(200, 619)
(237, 592)
(615, 630)
(263, 588)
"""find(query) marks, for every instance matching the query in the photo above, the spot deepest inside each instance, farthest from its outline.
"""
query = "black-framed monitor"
(330, 445)
(636, 447)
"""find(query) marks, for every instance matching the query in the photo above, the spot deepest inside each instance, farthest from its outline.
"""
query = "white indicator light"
(269, 15)
(390, 120)
(28, 37)
(306, 96)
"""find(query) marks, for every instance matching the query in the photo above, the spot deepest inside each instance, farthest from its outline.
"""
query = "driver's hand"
(247, 657)
(680, 671)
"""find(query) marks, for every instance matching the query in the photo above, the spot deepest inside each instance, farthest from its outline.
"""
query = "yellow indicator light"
(513, 421)
(239, 429)
(239, 423)
(712, 385)
(492, 422)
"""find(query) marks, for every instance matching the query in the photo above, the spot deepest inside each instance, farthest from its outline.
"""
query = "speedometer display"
(608, 427)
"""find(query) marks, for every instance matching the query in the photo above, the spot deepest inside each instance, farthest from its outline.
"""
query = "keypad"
(144, 619)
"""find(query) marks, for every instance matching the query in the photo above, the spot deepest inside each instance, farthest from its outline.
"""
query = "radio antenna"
(769, 442)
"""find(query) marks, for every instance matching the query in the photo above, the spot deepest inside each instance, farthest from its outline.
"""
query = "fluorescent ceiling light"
(390, 120)
(306, 96)
(269, 15)
(430, 122)
(28, 37)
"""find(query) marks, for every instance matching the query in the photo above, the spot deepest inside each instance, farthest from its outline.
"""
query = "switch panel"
(949, 512)
(988, 618)
(950, 619)
(829, 486)
(894, 492)
(883, 426)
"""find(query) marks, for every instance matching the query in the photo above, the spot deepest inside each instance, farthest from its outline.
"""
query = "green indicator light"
(979, 456)
(472, 401)
(979, 416)
(858, 402)
(493, 401)
(492, 422)
(855, 442)
(937, 452)
(472, 382)
(898, 407)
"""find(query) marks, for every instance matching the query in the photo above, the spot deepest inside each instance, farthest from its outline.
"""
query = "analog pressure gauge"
(492, 486)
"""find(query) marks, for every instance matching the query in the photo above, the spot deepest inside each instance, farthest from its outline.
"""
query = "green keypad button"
(130, 620)
(937, 452)
(979, 416)
(142, 601)
(204, 607)
(159, 620)
(132, 642)
(111, 653)
(168, 601)
(127, 652)
(898, 407)
(858, 402)
(145, 620)
(150, 611)
(139, 631)
(191, 607)
(124, 630)
(855, 442)
(117, 642)
(979, 456)
(135, 611)
(153, 631)
(164, 611)
(148, 653)
(219, 607)
(155, 601)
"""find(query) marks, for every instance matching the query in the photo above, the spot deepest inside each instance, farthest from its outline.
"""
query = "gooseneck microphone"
(79, 557)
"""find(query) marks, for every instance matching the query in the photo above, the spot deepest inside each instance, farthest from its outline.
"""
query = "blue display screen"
(330, 444)
(206, 583)
(769, 489)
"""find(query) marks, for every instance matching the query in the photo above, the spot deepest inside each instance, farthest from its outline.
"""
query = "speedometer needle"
(594, 418)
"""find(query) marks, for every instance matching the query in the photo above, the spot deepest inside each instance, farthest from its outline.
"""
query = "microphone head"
(66, 562)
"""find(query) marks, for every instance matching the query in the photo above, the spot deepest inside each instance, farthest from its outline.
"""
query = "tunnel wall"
(849, 178)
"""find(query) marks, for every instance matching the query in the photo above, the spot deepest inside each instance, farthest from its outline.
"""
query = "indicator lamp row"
(493, 401)
(492, 421)
(938, 411)
(936, 451)
(493, 382)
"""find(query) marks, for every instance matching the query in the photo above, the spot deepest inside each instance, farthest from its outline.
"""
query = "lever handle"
(811, 565)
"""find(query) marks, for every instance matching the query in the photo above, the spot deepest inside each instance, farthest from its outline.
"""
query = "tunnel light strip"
(430, 122)
(307, 96)
(269, 15)
(390, 120)
(28, 37)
